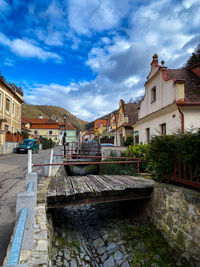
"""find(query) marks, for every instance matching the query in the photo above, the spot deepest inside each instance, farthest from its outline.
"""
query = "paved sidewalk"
(13, 168)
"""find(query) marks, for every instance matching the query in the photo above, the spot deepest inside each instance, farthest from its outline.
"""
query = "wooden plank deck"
(76, 190)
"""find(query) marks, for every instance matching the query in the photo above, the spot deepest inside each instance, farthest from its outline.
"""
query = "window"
(136, 137)
(13, 108)
(163, 129)
(50, 132)
(35, 132)
(13, 129)
(7, 104)
(153, 94)
(148, 135)
(6, 128)
(18, 112)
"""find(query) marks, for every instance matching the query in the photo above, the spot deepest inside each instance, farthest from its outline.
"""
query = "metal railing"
(187, 174)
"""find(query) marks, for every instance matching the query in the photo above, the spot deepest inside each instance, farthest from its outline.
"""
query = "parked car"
(32, 144)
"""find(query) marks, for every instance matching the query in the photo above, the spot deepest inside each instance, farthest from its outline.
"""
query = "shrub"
(165, 151)
(46, 143)
(129, 141)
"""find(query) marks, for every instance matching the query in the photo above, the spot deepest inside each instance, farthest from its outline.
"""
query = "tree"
(194, 58)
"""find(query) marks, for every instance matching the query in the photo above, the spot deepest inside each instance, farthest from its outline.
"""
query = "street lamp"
(64, 139)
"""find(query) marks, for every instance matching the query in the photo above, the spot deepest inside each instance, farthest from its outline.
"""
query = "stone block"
(27, 200)
(32, 177)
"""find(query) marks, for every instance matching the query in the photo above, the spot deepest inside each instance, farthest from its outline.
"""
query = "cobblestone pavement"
(92, 235)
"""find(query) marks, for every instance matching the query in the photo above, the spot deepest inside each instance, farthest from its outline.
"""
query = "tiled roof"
(45, 126)
(40, 121)
(192, 83)
(131, 110)
(68, 125)
(97, 122)
(11, 86)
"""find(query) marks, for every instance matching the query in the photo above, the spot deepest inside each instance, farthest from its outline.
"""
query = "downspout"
(182, 117)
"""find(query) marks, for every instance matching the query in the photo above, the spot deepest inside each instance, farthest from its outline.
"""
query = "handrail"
(18, 238)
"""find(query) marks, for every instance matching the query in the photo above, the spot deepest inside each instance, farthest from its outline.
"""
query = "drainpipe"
(182, 117)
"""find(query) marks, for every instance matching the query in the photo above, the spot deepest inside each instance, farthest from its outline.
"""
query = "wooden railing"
(13, 137)
(188, 174)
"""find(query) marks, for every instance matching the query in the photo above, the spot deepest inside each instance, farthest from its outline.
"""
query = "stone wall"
(8, 147)
(117, 150)
(176, 212)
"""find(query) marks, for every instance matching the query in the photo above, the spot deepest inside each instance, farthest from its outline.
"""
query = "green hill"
(53, 112)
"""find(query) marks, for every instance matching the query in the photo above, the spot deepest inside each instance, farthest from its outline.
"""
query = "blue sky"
(86, 55)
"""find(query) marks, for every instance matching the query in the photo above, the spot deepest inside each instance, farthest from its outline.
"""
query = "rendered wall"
(173, 124)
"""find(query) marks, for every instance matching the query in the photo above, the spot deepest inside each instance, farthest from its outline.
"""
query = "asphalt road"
(13, 169)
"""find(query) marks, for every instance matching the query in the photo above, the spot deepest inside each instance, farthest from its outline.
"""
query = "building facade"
(127, 115)
(171, 102)
(11, 100)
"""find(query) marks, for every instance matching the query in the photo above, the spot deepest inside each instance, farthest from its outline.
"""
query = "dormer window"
(153, 94)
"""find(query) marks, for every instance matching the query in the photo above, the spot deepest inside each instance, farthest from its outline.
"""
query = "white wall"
(191, 117)
(172, 124)
(166, 93)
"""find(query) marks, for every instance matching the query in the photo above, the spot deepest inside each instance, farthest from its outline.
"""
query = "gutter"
(182, 117)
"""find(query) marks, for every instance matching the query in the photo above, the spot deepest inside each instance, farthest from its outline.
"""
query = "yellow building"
(100, 127)
(11, 100)
(45, 128)
(127, 115)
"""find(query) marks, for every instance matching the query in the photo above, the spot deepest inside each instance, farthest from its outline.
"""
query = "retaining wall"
(176, 212)
(117, 150)
(8, 147)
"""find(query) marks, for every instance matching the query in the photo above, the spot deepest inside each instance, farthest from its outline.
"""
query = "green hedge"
(46, 143)
(165, 151)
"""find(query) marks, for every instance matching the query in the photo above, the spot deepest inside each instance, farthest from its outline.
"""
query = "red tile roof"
(68, 125)
(44, 126)
(97, 122)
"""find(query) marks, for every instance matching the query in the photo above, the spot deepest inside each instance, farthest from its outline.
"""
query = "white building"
(171, 102)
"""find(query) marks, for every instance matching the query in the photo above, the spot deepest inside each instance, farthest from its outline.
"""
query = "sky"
(86, 55)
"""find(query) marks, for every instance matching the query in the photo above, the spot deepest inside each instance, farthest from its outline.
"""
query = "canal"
(108, 235)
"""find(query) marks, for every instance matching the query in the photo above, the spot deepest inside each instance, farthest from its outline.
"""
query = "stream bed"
(108, 235)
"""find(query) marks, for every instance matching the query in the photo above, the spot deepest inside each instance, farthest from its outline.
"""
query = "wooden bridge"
(76, 190)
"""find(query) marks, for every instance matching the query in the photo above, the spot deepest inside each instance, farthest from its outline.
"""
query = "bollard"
(29, 160)
(46, 168)
(27, 200)
(50, 161)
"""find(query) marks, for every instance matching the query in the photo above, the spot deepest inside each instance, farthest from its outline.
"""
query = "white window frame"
(35, 132)
(51, 132)
(18, 112)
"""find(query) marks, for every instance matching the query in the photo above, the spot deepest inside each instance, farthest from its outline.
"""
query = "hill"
(53, 112)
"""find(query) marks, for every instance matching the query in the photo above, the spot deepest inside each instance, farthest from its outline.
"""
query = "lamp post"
(64, 139)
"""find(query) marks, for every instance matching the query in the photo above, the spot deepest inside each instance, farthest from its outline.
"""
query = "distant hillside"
(53, 112)
(89, 125)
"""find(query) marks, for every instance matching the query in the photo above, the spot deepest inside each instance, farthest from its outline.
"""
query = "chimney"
(40, 116)
(155, 60)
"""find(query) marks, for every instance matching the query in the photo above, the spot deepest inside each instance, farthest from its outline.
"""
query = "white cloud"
(27, 49)
(4, 6)
(95, 15)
